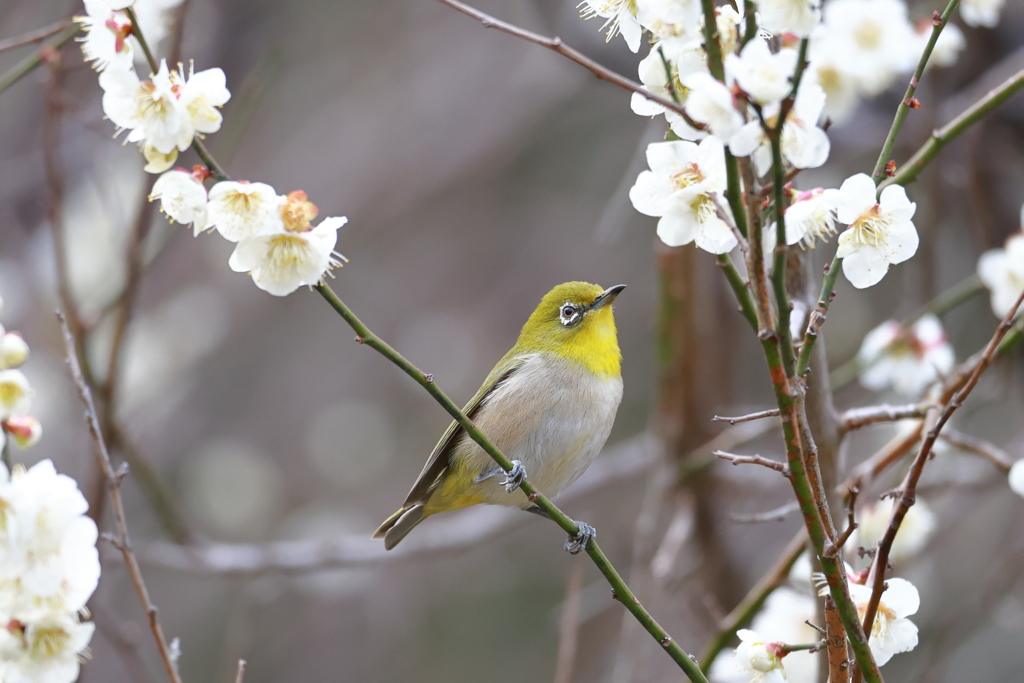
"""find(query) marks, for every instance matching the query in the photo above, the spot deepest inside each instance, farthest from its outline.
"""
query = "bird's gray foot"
(574, 544)
(514, 477)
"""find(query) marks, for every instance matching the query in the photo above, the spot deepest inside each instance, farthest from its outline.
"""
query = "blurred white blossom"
(25, 429)
(798, 17)
(879, 233)
(1016, 477)
(298, 254)
(240, 209)
(684, 58)
(15, 393)
(912, 536)
(908, 360)
(685, 188)
(182, 197)
(947, 48)
(876, 38)
(981, 12)
(44, 651)
(13, 349)
(1002, 271)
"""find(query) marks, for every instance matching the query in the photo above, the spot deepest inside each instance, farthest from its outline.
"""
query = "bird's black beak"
(606, 297)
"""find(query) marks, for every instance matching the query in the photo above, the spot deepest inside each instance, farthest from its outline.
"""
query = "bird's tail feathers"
(397, 526)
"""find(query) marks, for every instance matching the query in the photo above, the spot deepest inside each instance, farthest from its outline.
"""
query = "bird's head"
(575, 321)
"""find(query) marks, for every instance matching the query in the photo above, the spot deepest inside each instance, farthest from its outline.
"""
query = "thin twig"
(995, 455)
(33, 36)
(33, 61)
(752, 460)
(556, 45)
(833, 549)
(906, 491)
(856, 418)
(771, 412)
(909, 101)
(121, 540)
(777, 515)
(240, 674)
(621, 590)
(940, 138)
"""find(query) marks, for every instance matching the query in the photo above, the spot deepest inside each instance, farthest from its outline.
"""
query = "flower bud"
(15, 393)
(25, 429)
(13, 350)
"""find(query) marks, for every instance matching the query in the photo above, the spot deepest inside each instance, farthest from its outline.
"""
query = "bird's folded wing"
(438, 462)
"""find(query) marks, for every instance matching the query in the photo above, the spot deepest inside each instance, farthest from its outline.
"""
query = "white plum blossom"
(295, 255)
(711, 102)
(48, 558)
(182, 197)
(804, 144)
(798, 17)
(914, 532)
(240, 209)
(167, 111)
(15, 393)
(981, 12)
(879, 233)
(13, 349)
(106, 30)
(619, 16)
(44, 651)
(1016, 477)
(892, 632)
(1002, 271)
(730, 24)
(829, 69)
(810, 217)
(667, 19)
(684, 187)
(907, 360)
(765, 77)
(684, 58)
(876, 38)
(157, 161)
(761, 659)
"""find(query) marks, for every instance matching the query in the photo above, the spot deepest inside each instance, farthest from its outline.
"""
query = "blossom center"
(287, 254)
(48, 642)
(297, 212)
(10, 393)
(868, 35)
(152, 104)
(690, 175)
(871, 229)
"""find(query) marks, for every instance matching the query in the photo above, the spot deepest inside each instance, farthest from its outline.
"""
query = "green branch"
(619, 587)
(740, 288)
(818, 315)
(940, 138)
(711, 44)
(29, 64)
(878, 174)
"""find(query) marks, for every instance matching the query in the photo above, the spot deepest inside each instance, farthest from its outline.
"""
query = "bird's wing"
(438, 462)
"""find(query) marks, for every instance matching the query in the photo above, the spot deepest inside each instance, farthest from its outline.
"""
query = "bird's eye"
(569, 314)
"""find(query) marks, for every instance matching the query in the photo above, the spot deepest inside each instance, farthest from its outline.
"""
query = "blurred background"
(477, 171)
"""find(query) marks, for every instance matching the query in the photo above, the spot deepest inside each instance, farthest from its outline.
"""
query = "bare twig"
(753, 460)
(833, 549)
(569, 625)
(555, 44)
(906, 492)
(776, 515)
(995, 455)
(33, 36)
(34, 61)
(120, 539)
(855, 418)
(773, 412)
(835, 643)
(867, 471)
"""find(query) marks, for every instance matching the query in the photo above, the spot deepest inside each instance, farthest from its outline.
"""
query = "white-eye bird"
(548, 405)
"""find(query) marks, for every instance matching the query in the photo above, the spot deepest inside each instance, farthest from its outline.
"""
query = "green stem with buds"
(620, 590)
(37, 58)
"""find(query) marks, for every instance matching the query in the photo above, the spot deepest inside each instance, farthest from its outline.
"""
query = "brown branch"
(867, 471)
(906, 491)
(33, 36)
(776, 515)
(113, 485)
(855, 418)
(995, 455)
(753, 460)
(835, 644)
(556, 45)
(773, 412)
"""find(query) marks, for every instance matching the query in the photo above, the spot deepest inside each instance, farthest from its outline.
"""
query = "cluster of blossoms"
(276, 242)
(49, 565)
(907, 359)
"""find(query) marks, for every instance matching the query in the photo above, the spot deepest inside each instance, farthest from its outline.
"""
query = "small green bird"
(548, 405)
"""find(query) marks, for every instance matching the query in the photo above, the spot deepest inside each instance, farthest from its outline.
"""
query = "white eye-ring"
(569, 314)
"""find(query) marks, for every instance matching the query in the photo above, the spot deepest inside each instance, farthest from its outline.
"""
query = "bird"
(548, 405)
